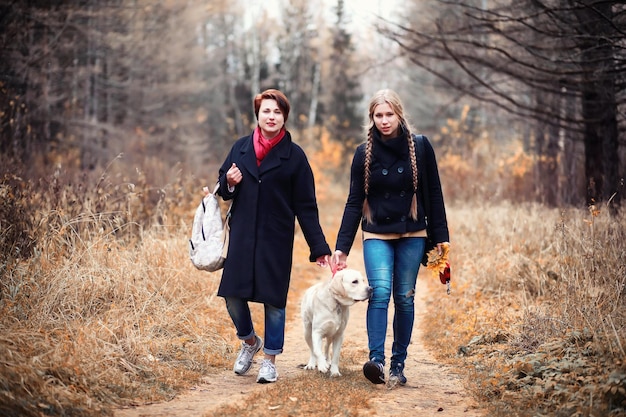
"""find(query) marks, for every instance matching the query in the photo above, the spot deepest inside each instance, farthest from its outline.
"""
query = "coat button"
(400, 170)
(403, 218)
(387, 195)
(385, 172)
(402, 193)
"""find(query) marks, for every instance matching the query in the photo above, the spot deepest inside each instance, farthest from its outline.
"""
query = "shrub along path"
(432, 389)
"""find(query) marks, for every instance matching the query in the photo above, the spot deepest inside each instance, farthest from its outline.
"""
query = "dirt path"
(432, 389)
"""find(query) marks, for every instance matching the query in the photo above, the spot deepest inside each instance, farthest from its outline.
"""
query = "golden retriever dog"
(325, 311)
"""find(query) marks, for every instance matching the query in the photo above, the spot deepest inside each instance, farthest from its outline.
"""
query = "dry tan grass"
(110, 325)
(106, 311)
(536, 315)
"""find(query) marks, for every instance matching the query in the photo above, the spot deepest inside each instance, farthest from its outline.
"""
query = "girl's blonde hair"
(390, 97)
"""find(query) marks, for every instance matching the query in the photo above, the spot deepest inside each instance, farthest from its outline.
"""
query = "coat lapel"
(273, 158)
(248, 158)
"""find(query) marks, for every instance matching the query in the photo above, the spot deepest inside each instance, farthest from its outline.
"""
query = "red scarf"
(262, 146)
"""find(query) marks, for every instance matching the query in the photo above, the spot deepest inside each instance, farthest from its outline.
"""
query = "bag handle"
(230, 207)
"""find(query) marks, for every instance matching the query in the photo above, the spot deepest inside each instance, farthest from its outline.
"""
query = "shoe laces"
(268, 364)
(247, 351)
(249, 348)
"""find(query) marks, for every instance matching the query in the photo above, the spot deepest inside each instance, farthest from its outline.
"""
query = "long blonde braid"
(413, 157)
(366, 174)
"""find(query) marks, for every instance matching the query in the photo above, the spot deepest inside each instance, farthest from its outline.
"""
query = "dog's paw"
(310, 365)
(334, 371)
(323, 366)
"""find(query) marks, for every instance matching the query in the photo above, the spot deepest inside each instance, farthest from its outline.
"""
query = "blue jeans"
(239, 312)
(391, 267)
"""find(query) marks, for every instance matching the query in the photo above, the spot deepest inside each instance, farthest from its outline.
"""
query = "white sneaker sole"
(263, 380)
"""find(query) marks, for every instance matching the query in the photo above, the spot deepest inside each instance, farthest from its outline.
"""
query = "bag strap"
(421, 157)
(230, 207)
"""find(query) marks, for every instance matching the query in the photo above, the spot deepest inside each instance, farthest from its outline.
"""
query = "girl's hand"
(339, 260)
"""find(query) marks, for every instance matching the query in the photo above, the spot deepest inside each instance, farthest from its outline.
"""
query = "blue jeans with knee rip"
(391, 267)
(239, 312)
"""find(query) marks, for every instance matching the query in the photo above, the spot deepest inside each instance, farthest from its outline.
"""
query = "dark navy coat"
(391, 191)
(265, 206)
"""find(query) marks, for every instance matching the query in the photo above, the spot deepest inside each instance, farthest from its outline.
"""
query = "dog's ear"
(336, 284)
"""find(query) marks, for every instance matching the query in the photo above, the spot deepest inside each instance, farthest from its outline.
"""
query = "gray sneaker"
(247, 352)
(267, 373)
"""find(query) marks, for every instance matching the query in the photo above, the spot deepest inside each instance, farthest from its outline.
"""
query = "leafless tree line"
(82, 80)
(558, 64)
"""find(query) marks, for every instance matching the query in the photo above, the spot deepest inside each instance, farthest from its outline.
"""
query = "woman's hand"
(440, 247)
(339, 260)
(322, 261)
(233, 175)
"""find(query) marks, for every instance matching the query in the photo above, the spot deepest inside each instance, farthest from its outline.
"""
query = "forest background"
(114, 114)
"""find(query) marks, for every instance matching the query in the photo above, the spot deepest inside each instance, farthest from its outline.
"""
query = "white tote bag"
(208, 245)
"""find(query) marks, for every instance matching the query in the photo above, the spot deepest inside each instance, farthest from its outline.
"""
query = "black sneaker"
(396, 374)
(374, 371)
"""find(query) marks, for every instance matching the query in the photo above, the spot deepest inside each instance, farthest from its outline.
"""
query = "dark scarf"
(262, 145)
(390, 150)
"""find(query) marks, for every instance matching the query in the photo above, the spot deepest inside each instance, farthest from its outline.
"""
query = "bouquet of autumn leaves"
(439, 265)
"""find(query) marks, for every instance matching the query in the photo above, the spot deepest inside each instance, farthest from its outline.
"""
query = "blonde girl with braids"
(390, 200)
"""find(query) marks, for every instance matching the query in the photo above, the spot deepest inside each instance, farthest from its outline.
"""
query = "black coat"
(266, 203)
(391, 190)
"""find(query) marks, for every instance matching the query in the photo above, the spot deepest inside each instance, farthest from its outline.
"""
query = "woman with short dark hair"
(271, 183)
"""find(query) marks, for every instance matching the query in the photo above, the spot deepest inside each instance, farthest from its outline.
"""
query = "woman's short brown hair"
(272, 94)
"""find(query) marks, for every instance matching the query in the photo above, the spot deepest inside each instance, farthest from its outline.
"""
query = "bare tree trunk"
(314, 95)
(255, 84)
(566, 180)
(45, 88)
(599, 105)
(552, 157)
(546, 150)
